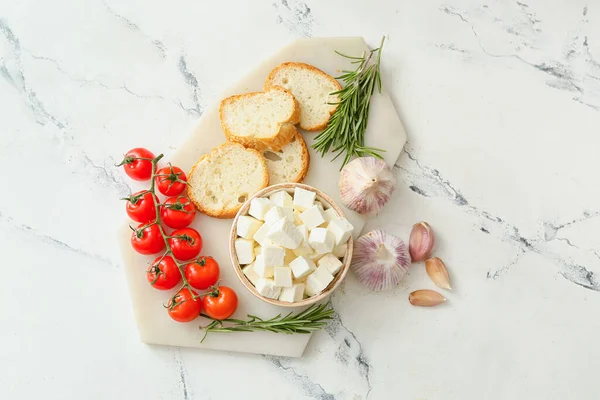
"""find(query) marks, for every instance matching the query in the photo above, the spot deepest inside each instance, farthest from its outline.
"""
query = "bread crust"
(226, 213)
(305, 159)
(280, 139)
(291, 64)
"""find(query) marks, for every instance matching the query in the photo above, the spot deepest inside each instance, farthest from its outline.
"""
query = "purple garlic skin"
(380, 260)
(366, 185)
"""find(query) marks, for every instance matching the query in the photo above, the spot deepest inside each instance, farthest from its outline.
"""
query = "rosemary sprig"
(312, 319)
(345, 132)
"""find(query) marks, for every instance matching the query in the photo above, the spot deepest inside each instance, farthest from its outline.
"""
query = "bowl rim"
(337, 280)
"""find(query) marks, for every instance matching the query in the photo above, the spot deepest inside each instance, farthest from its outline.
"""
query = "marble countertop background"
(501, 102)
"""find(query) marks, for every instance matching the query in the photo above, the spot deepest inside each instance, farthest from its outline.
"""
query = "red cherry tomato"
(163, 274)
(178, 212)
(170, 181)
(202, 273)
(138, 164)
(183, 308)
(147, 240)
(221, 303)
(141, 207)
(185, 243)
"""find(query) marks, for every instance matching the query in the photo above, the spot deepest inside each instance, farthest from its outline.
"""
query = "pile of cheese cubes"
(282, 239)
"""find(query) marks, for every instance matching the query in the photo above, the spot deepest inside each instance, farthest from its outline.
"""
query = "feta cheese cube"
(340, 250)
(261, 235)
(292, 294)
(297, 219)
(304, 250)
(282, 199)
(283, 276)
(331, 263)
(321, 240)
(250, 273)
(320, 205)
(273, 255)
(267, 288)
(302, 266)
(276, 213)
(330, 215)
(289, 257)
(247, 226)
(304, 231)
(244, 249)
(303, 199)
(259, 207)
(318, 281)
(285, 234)
(312, 217)
(257, 250)
(316, 257)
(341, 229)
(262, 269)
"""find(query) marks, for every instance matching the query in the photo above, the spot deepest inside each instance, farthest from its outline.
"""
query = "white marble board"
(384, 131)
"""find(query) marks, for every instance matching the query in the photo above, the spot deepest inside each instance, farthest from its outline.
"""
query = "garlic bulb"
(366, 184)
(380, 260)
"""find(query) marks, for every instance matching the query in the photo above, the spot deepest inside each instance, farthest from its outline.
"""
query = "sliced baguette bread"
(312, 89)
(260, 120)
(290, 164)
(222, 180)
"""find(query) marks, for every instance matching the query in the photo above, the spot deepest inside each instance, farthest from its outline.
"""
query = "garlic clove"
(366, 184)
(437, 271)
(425, 298)
(421, 241)
(380, 260)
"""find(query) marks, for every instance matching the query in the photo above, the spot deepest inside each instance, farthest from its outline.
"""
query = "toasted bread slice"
(290, 164)
(260, 120)
(312, 89)
(222, 180)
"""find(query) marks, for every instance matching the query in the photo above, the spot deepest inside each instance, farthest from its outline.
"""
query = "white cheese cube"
(283, 276)
(273, 255)
(341, 229)
(302, 266)
(276, 213)
(304, 231)
(282, 199)
(267, 288)
(257, 250)
(292, 294)
(244, 249)
(259, 207)
(331, 263)
(317, 281)
(321, 240)
(250, 273)
(340, 250)
(289, 257)
(320, 205)
(261, 235)
(303, 199)
(297, 219)
(316, 257)
(262, 269)
(247, 226)
(284, 233)
(330, 215)
(312, 217)
(304, 250)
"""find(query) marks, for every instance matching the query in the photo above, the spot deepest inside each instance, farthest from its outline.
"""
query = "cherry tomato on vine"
(177, 212)
(202, 273)
(147, 240)
(137, 164)
(141, 207)
(170, 181)
(163, 274)
(183, 308)
(185, 243)
(221, 303)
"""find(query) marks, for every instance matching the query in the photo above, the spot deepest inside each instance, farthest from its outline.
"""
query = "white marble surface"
(501, 101)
